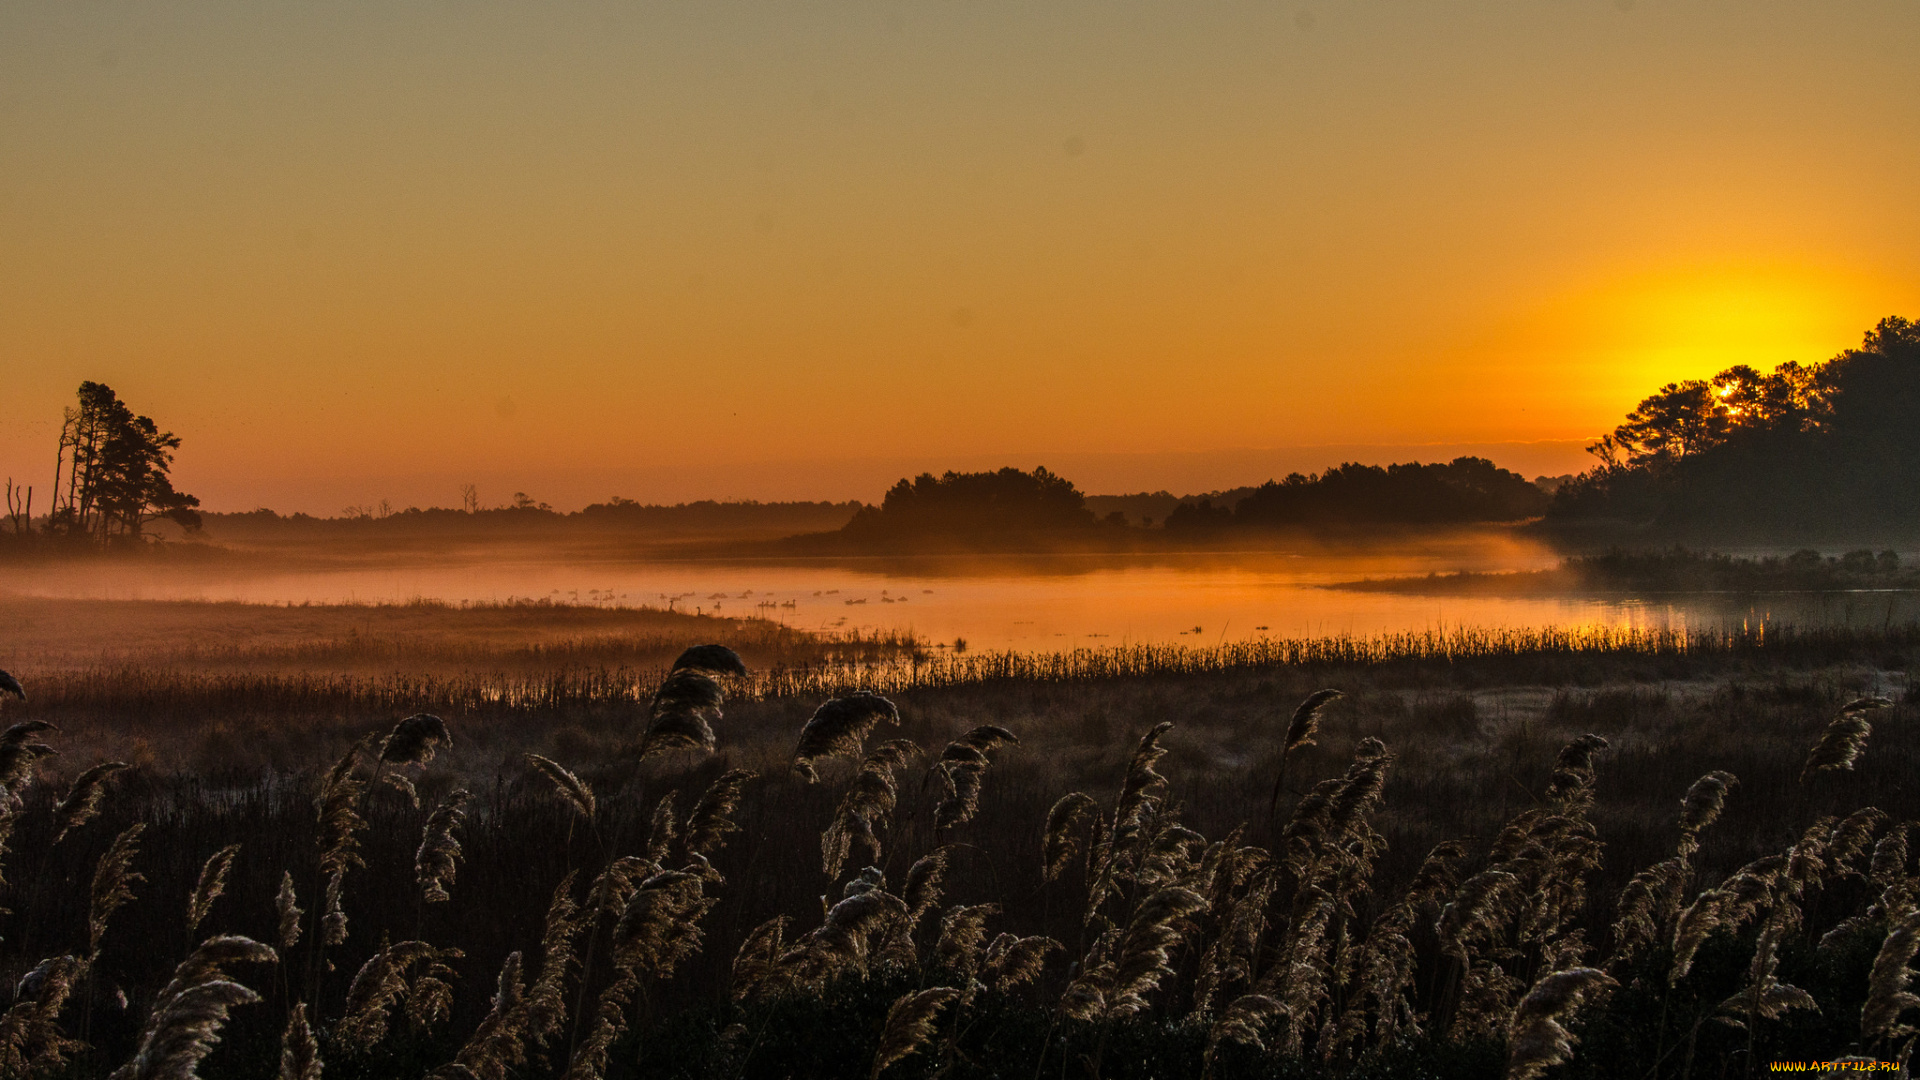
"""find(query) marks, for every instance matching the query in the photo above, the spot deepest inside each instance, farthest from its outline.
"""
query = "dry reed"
(299, 1050)
(83, 799)
(570, 787)
(682, 714)
(210, 885)
(1537, 1038)
(184, 1025)
(839, 728)
(909, 1025)
(436, 861)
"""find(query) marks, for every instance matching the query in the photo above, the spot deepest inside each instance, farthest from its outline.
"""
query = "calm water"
(1044, 603)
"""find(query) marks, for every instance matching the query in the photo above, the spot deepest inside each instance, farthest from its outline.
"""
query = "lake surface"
(1044, 603)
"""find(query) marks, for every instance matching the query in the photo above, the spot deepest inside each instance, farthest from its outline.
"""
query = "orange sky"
(357, 250)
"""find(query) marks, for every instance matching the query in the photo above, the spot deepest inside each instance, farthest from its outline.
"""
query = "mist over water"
(1043, 603)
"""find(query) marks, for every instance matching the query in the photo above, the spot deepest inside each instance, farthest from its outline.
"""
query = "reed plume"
(1129, 836)
(1867, 704)
(430, 997)
(1887, 872)
(189, 1012)
(758, 958)
(1477, 910)
(1851, 839)
(662, 829)
(1537, 1039)
(113, 882)
(1143, 783)
(681, 714)
(1243, 1021)
(436, 861)
(287, 911)
(1764, 996)
(1728, 907)
(1305, 723)
(1889, 865)
(337, 808)
(413, 970)
(11, 685)
(844, 941)
(1844, 740)
(18, 757)
(1887, 993)
(923, 886)
(963, 937)
(1012, 960)
(989, 737)
(375, 989)
(1229, 959)
(909, 1025)
(1571, 786)
(299, 1050)
(614, 886)
(659, 928)
(1066, 822)
(1647, 903)
(546, 998)
(212, 882)
(31, 1039)
(1301, 731)
(498, 1045)
(571, 788)
(1123, 968)
(839, 728)
(83, 798)
(712, 659)
(711, 821)
(866, 809)
(415, 740)
(961, 768)
(1704, 800)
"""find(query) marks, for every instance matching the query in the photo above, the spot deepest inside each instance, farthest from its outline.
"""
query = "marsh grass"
(1478, 735)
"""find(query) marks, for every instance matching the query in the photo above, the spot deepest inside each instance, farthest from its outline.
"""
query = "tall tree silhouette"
(112, 471)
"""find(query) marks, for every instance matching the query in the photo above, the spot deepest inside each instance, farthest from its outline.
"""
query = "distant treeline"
(1828, 451)
(1466, 489)
(992, 510)
(1008, 500)
(529, 517)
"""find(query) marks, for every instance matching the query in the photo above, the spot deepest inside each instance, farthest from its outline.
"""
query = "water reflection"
(1021, 602)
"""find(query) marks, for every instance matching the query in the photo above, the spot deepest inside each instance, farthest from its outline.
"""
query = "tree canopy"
(112, 474)
(1466, 489)
(1007, 500)
(1802, 451)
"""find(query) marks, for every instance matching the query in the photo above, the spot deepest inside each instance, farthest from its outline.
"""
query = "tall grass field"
(484, 842)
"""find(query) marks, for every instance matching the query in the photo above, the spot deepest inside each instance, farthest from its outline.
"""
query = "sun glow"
(1694, 323)
(1585, 358)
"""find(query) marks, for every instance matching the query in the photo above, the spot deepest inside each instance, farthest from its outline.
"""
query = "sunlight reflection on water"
(1044, 603)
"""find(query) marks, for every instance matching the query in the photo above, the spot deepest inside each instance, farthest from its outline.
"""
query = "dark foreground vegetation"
(1677, 570)
(1688, 851)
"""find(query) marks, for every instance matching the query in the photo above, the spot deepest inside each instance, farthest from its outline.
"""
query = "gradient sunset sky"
(356, 250)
